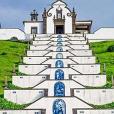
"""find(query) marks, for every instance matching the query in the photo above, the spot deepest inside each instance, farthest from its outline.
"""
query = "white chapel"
(59, 19)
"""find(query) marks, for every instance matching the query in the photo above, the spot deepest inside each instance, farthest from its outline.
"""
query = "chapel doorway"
(59, 29)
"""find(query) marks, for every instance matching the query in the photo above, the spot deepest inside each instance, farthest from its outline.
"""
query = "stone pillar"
(21, 59)
(43, 111)
(46, 92)
(74, 111)
(14, 70)
(28, 45)
(73, 21)
(44, 21)
(112, 81)
(72, 92)
(104, 68)
(6, 83)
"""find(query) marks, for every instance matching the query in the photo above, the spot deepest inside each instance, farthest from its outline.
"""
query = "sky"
(14, 12)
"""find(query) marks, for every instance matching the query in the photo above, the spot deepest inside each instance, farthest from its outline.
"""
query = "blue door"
(59, 74)
(59, 107)
(59, 89)
(59, 64)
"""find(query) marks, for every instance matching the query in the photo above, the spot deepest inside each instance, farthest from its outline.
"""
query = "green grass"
(106, 106)
(10, 53)
(7, 105)
(100, 51)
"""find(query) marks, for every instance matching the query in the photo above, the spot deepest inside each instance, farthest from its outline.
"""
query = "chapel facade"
(59, 19)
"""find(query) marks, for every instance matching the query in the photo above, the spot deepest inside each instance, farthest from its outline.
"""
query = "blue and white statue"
(59, 56)
(59, 49)
(59, 107)
(59, 89)
(59, 74)
(59, 64)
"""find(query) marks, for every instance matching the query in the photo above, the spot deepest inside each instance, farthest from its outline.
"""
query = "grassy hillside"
(10, 53)
(103, 56)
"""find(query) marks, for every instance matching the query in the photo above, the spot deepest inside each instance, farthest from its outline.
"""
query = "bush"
(4, 104)
(14, 39)
(110, 48)
(3, 53)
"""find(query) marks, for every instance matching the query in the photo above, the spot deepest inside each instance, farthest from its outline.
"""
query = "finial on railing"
(112, 81)
(104, 68)
(14, 70)
(6, 82)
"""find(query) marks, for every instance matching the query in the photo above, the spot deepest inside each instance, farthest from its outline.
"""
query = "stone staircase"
(59, 71)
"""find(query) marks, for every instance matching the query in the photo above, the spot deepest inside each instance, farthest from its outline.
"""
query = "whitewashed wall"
(23, 96)
(87, 69)
(39, 47)
(47, 53)
(83, 60)
(28, 25)
(95, 96)
(55, 43)
(37, 53)
(68, 20)
(78, 42)
(107, 111)
(70, 102)
(75, 35)
(32, 69)
(103, 34)
(51, 72)
(50, 61)
(7, 34)
(84, 47)
(35, 60)
(90, 80)
(20, 111)
(81, 52)
(27, 81)
(50, 86)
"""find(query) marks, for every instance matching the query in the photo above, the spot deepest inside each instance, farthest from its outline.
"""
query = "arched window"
(59, 74)
(59, 44)
(59, 13)
(59, 64)
(59, 56)
(59, 89)
(59, 107)
(59, 49)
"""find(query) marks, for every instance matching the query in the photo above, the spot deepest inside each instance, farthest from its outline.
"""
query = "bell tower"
(34, 15)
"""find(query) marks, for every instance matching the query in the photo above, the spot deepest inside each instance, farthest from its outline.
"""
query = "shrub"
(4, 104)
(110, 48)
(14, 39)
(3, 53)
